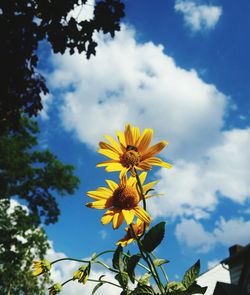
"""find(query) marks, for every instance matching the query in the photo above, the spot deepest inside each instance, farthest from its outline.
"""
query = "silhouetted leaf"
(153, 237)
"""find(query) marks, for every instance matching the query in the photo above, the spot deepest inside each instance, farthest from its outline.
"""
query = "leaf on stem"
(117, 258)
(131, 264)
(153, 237)
(159, 262)
(191, 274)
(96, 288)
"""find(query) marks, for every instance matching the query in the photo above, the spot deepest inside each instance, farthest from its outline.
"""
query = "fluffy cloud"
(64, 270)
(198, 17)
(226, 233)
(191, 188)
(132, 82)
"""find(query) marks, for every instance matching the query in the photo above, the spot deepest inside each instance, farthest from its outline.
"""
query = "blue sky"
(181, 68)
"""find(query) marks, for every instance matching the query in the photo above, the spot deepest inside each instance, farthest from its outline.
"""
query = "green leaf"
(159, 262)
(176, 286)
(117, 258)
(153, 237)
(191, 274)
(96, 288)
(122, 278)
(145, 279)
(142, 290)
(131, 264)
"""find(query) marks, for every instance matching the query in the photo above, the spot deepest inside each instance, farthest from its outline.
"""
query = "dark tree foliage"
(23, 23)
(20, 242)
(32, 175)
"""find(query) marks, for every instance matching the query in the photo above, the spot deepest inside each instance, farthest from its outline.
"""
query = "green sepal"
(117, 258)
(96, 288)
(159, 262)
(153, 237)
(131, 264)
(191, 274)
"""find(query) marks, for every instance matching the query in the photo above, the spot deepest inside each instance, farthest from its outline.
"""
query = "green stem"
(162, 269)
(106, 282)
(146, 260)
(143, 199)
(101, 253)
(78, 260)
(106, 266)
(139, 242)
(64, 283)
(124, 254)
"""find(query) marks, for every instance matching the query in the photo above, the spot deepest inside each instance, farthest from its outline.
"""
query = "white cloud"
(193, 235)
(226, 233)
(191, 188)
(138, 83)
(132, 82)
(198, 17)
(64, 270)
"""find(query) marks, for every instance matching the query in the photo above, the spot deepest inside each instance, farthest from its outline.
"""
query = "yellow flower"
(130, 237)
(131, 151)
(40, 267)
(55, 289)
(82, 274)
(122, 200)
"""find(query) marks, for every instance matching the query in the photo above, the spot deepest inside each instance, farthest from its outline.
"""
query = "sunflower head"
(82, 274)
(122, 200)
(131, 151)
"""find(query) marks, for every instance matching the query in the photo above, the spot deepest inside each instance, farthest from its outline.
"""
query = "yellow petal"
(128, 215)
(123, 179)
(145, 165)
(155, 149)
(149, 185)
(106, 163)
(100, 204)
(142, 214)
(144, 140)
(136, 135)
(109, 154)
(121, 140)
(117, 220)
(114, 167)
(113, 185)
(98, 195)
(104, 145)
(142, 177)
(159, 162)
(114, 143)
(128, 135)
(37, 271)
(107, 217)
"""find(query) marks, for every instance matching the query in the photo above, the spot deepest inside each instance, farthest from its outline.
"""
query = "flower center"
(125, 197)
(131, 157)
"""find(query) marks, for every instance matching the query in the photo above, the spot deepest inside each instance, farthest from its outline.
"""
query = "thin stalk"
(78, 260)
(124, 254)
(162, 269)
(106, 266)
(106, 282)
(64, 283)
(146, 260)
